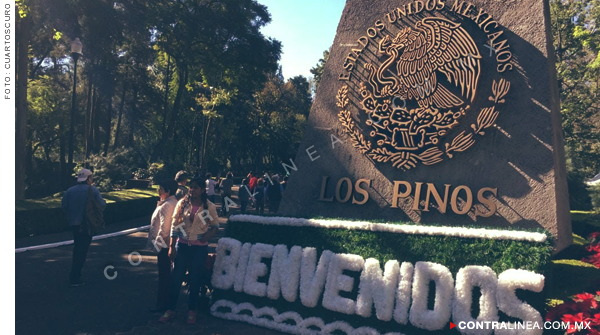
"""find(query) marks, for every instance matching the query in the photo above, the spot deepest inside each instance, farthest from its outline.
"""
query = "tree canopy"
(577, 46)
(182, 84)
(195, 85)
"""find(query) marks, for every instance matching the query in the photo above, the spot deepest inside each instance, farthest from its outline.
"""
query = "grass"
(571, 277)
(578, 240)
(110, 197)
(585, 215)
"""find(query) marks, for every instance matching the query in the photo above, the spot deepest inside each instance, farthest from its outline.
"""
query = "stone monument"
(437, 111)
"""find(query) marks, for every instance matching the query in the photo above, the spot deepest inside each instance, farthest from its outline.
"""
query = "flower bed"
(593, 249)
(299, 275)
(584, 309)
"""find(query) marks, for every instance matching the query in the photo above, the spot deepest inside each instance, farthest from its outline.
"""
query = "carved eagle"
(434, 45)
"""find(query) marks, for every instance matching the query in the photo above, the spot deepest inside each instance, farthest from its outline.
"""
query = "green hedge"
(452, 252)
(52, 220)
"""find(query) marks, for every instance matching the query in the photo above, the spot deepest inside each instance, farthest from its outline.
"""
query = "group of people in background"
(261, 190)
(184, 221)
(258, 190)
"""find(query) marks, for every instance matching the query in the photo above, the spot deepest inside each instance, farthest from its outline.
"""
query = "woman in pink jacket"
(195, 222)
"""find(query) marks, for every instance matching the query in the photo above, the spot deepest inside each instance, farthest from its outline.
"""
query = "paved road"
(46, 305)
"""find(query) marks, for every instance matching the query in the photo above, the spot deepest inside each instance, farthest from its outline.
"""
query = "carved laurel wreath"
(407, 160)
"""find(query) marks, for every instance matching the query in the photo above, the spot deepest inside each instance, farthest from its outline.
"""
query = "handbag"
(94, 215)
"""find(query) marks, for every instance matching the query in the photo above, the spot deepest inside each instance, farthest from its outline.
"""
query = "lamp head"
(76, 46)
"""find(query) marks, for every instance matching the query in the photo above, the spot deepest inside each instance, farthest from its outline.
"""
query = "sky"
(306, 28)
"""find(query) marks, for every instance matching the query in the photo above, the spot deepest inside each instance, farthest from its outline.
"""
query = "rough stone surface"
(521, 154)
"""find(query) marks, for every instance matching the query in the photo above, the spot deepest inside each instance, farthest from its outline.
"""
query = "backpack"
(93, 221)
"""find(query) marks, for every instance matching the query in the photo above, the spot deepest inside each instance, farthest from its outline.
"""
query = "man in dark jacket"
(274, 194)
(74, 205)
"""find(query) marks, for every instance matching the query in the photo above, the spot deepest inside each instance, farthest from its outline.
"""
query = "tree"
(178, 83)
(577, 44)
(281, 111)
(317, 71)
(24, 22)
(220, 44)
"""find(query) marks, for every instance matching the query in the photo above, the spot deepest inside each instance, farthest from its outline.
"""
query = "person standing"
(210, 187)
(274, 194)
(284, 182)
(195, 222)
(252, 181)
(181, 178)
(74, 204)
(159, 239)
(244, 195)
(226, 186)
(259, 197)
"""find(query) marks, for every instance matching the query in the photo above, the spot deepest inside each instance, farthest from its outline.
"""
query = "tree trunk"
(192, 144)
(62, 141)
(47, 149)
(168, 133)
(166, 108)
(200, 149)
(121, 107)
(132, 118)
(89, 143)
(96, 120)
(108, 124)
(198, 141)
(204, 141)
(21, 105)
(72, 116)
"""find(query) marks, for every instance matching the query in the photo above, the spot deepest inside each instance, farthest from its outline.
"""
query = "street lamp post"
(75, 53)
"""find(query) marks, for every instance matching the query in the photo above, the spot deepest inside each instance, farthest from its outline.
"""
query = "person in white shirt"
(210, 187)
(159, 240)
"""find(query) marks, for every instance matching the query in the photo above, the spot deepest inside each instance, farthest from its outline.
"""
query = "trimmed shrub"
(579, 196)
(112, 171)
(159, 172)
(53, 220)
(594, 192)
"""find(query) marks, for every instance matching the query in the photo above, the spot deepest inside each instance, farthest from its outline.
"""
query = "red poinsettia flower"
(593, 259)
(584, 306)
(587, 298)
(594, 236)
(572, 319)
(572, 329)
(595, 321)
(556, 312)
(594, 248)
(583, 296)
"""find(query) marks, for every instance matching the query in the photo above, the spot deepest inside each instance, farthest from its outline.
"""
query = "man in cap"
(74, 205)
